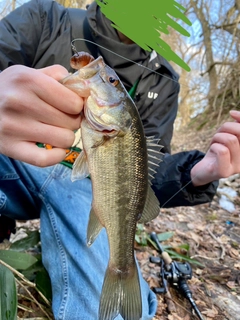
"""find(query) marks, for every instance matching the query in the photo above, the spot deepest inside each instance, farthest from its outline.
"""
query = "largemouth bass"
(115, 155)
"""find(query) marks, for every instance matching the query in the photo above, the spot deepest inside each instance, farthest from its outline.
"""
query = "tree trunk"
(210, 66)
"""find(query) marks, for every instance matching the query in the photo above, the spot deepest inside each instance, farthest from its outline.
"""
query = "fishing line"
(197, 175)
(149, 69)
(125, 58)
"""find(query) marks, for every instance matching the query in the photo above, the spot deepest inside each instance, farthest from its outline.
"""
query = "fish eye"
(113, 81)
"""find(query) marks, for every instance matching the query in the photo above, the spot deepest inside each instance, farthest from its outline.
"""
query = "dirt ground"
(213, 237)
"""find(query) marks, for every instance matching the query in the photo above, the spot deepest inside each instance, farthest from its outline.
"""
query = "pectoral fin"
(80, 167)
(151, 208)
(94, 228)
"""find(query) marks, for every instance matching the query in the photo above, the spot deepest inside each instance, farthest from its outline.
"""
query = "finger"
(43, 133)
(231, 128)
(57, 137)
(227, 139)
(28, 107)
(221, 167)
(56, 72)
(51, 116)
(30, 153)
(228, 143)
(31, 83)
(221, 151)
(55, 94)
(226, 163)
(235, 115)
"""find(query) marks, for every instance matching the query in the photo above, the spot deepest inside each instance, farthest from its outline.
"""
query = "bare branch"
(225, 63)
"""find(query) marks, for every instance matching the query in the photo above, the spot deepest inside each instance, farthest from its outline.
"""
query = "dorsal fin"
(154, 156)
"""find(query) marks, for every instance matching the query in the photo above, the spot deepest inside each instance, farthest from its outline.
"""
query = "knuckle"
(224, 151)
(56, 68)
(232, 140)
(224, 127)
(5, 126)
(61, 69)
(8, 100)
(20, 74)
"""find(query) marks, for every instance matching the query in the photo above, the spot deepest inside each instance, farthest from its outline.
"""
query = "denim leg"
(76, 271)
(18, 198)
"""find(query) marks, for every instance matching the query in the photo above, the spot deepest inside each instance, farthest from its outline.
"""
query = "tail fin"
(121, 294)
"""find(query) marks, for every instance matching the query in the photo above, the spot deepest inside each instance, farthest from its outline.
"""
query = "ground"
(212, 237)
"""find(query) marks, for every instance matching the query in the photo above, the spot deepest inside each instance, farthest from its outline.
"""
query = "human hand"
(35, 107)
(223, 156)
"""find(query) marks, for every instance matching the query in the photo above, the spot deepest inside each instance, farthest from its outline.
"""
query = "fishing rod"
(176, 273)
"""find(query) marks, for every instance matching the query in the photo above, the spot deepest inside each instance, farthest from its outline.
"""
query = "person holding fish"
(41, 108)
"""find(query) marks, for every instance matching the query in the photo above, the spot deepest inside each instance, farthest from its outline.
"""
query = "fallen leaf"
(224, 239)
(199, 271)
(231, 284)
(194, 236)
(211, 313)
(191, 226)
(233, 253)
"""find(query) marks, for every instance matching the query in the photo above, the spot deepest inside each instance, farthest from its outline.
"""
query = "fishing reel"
(175, 273)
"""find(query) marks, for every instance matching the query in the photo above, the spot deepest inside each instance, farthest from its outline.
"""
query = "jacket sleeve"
(157, 102)
(32, 35)
(172, 183)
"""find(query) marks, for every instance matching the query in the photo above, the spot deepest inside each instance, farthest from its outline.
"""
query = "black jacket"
(39, 34)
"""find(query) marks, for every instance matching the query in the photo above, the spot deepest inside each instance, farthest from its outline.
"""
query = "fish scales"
(115, 155)
(120, 180)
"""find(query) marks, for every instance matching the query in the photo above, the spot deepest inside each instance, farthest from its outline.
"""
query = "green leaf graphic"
(144, 21)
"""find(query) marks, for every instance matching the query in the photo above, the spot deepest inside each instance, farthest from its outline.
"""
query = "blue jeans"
(76, 271)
